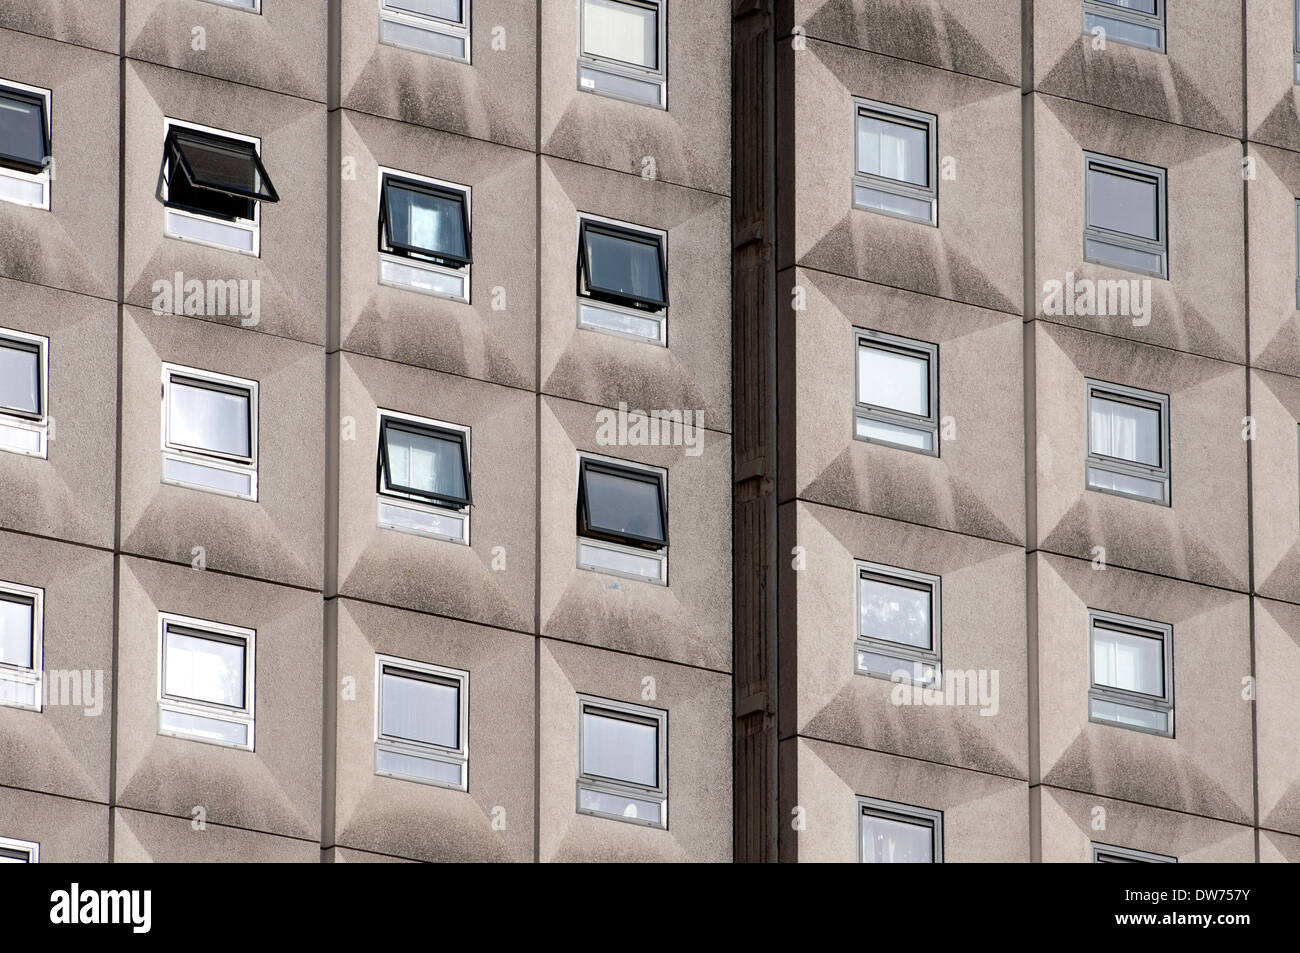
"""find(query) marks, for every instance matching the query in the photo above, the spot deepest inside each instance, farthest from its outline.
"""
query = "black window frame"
(41, 101)
(618, 536)
(585, 287)
(15, 344)
(387, 487)
(386, 243)
(174, 158)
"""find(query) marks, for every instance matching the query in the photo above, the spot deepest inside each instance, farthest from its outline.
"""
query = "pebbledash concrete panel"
(1272, 186)
(1272, 103)
(1277, 666)
(93, 23)
(1275, 484)
(490, 821)
(145, 837)
(68, 830)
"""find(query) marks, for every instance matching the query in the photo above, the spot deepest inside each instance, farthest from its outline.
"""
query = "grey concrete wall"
(144, 837)
(69, 831)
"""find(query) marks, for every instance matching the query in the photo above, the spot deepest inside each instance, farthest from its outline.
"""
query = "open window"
(1128, 442)
(24, 393)
(421, 722)
(424, 476)
(622, 518)
(436, 27)
(897, 396)
(1132, 663)
(1132, 22)
(209, 431)
(623, 50)
(424, 234)
(1125, 215)
(1110, 854)
(213, 185)
(896, 161)
(24, 145)
(205, 681)
(22, 637)
(622, 761)
(622, 279)
(898, 624)
(14, 851)
(890, 833)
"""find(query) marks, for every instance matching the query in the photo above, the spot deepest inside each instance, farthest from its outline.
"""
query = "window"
(897, 398)
(423, 474)
(209, 431)
(622, 761)
(213, 184)
(624, 50)
(896, 158)
(622, 279)
(437, 27)
(24, 145)
(1109, 854)
(1132, 663)
(14, 851)
(24, 393)
(1128, 442)
(421, 722)
(1125, 215)
(898, 634)
(424, 236)
(22, 637)
(1133, 22)
(205, 681)
(622, 518)
(890, 833)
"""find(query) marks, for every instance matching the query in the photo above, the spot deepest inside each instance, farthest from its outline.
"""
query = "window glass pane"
(22, 129)
(16, 632)
(433, 223)
(421, 710)
(621, 31)
(894, 612)
(219, 163)
(887, 841)
(624, 266)
(1131, 662)
(208, 419)
(426, 462)
(20, 378)
(442, 9)
(620, 749)
(623, 505)
(1123, 204)
(1126, 431)
(204, 669)
(1142, 6)
(894, 380)
(893, 150)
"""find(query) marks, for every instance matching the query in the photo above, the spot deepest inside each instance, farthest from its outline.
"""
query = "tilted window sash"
(455, 253)
(648, 289)
(29, 130)
(587, 526)
(444, 496)
(225, 172)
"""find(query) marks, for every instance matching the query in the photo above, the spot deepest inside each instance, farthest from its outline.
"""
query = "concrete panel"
(140, 837)
(93, 23)
(1277, 666)
(1275, 485)
(68, 831)
(1272, 106)
(1272, 263)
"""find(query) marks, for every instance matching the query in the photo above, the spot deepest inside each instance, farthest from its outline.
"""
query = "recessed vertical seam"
(1029, 325)
(537, 439)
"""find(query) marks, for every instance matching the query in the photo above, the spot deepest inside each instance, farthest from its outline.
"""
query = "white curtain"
(205, 669)
(1125, 431)
(892, 150)
(1130, 662)
(621, 31)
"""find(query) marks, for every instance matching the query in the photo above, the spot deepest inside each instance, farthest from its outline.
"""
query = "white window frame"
(16, 681)
(458, 757)
(920, 659)
(1160, 631)
(600, 785)
(607, 317)
(244, 466)
(1124, 241)
(904, 814)
(602, 75)
(1098, 12)
(926, 427)
(414, 274)
(404, 512)
(1162, 474)
(18, 178)
(31, 848)
(247, 6)
(1128, 854)
(176, 221)
(870, 182)
(392, 20)
(605, 556)
(208, 710)
(14, 426)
